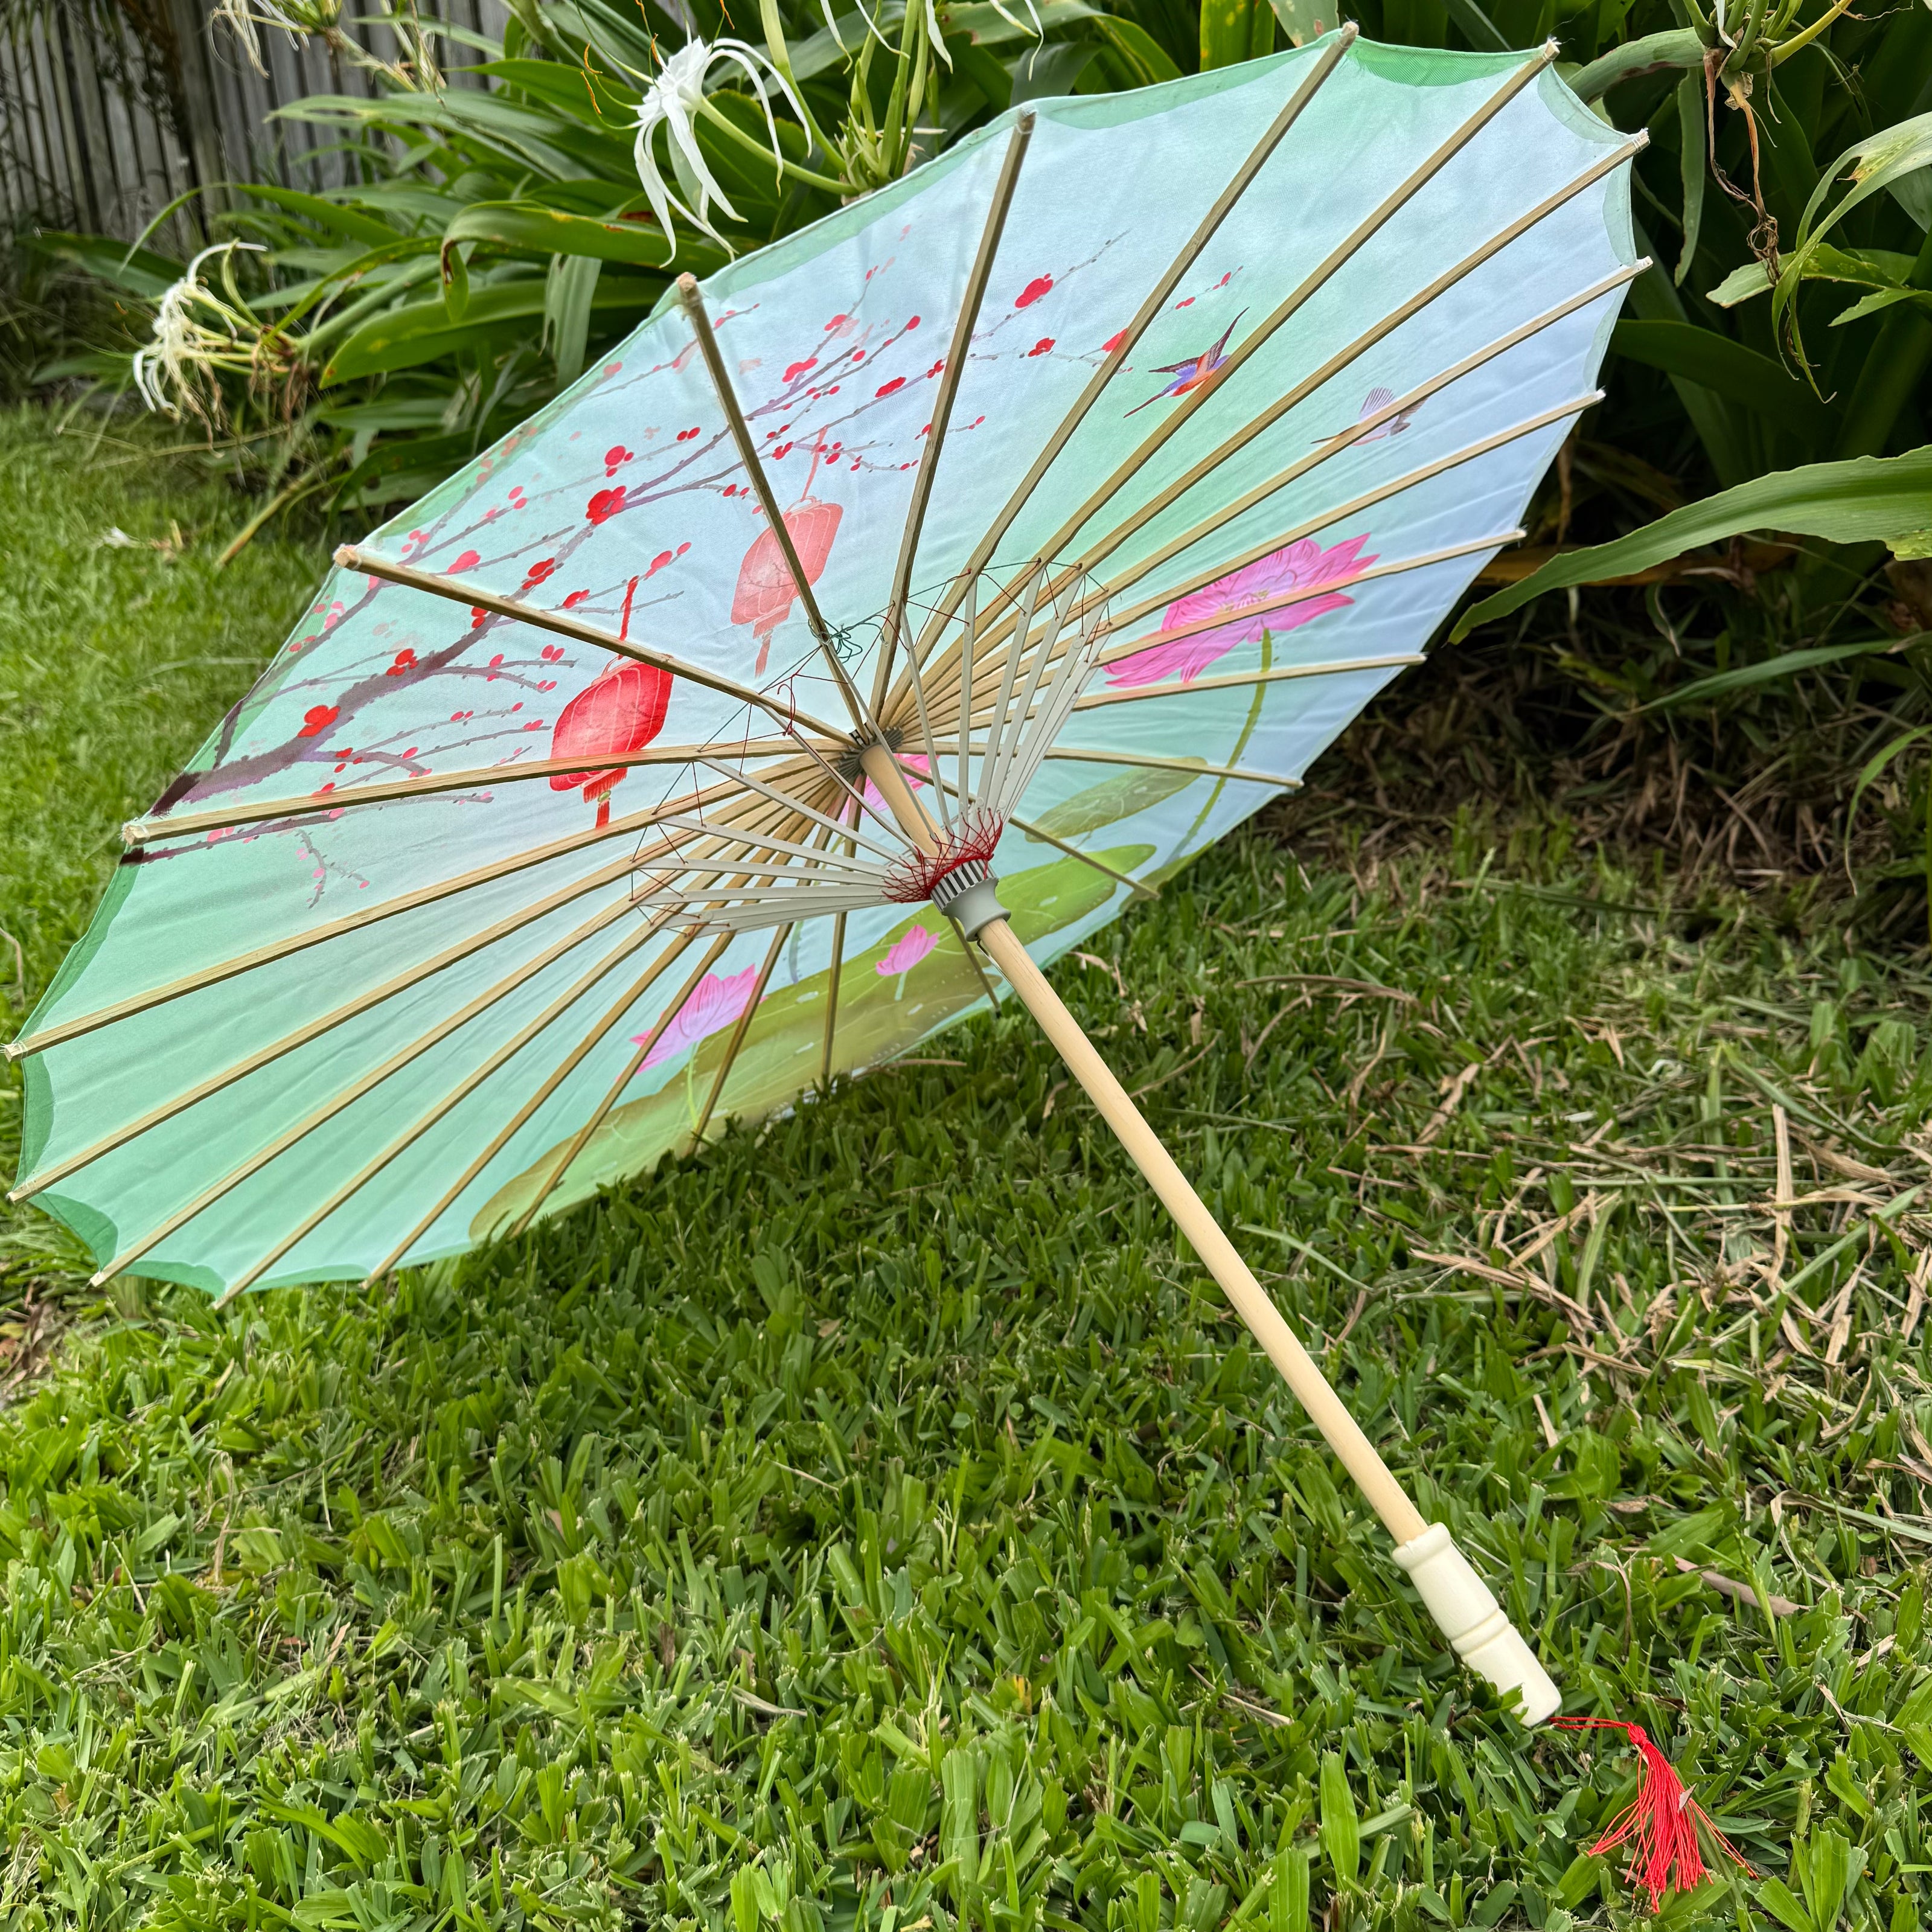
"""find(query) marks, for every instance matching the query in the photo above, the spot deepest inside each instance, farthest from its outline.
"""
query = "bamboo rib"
(1330, 514)
(1290, 304)
(956, 355)
(1237, 185)
(1395, 567)
(738, 1033)
(993, 773)
(996, 730)
(458, 590)
(609, 1100)
(1304, 291)
(413, 1135)
(356, 922)
(816, 856)
(1384, 327)
(1330, 446)
(692, 303)
(831, 981)
(149, 831)
(804, 810)
(1247, 680)
(1132, 884)
(555, 1079)
(320, 1116)
(1324, 519)
(314, 1029)
(1053, 838)
(832, 999)
(1201, 767)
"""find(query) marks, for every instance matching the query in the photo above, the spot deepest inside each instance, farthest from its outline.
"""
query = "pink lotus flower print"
(715, 1002)
(1271, 595)
(911, 947)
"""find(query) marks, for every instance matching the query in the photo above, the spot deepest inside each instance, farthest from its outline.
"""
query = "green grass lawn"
(878, 1521)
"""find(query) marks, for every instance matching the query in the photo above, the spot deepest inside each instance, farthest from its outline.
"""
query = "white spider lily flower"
(296, 18)
(672, 99)
(181, 343)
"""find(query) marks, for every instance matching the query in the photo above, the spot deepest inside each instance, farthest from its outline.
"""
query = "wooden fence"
(100, 131)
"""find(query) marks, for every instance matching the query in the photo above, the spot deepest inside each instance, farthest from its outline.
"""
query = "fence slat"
(78, 150)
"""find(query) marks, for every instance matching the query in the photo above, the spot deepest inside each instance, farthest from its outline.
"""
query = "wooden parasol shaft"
(1251, 1301)
(1218, 1255)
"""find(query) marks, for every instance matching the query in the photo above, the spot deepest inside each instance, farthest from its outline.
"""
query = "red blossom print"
(543, 568)
(406, 660)
(468, 560)
(1186, 301)
(1040, 285)
(837, 322)
(664, 557)
(317, 720)
(496, 665)
(1113, 342)
(782, 452)
(887, 388)
(686, 435)
(575, 598)
(1043, 346)
(551, 652)
(605, 505)
(913, 324)
(935, 369)
(798, 369)
(477, 615)
(615, 457)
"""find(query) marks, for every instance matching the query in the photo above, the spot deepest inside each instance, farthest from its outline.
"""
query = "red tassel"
(1661, 1823)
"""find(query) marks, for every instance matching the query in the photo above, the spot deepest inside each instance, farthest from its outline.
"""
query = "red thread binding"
(1661, 1824)
(911, 876)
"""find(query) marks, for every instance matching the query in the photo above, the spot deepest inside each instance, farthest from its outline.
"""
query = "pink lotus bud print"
(715, 1001)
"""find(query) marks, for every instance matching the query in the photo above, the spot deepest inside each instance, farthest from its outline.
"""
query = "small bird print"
(1373, 404)
(1196, 373)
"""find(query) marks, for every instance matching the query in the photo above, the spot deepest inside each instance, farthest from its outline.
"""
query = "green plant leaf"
(532, 227)
(1868, 499)
(1341, 1825)
(1786, 664)
(1867, 268)
(141, 271)
(351, 223)
(1691, 166)
(1891, 154)
(1776, 1897)
(1728, 369)
(418, 332)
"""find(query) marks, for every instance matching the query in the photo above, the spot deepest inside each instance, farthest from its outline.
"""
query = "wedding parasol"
(862, 634)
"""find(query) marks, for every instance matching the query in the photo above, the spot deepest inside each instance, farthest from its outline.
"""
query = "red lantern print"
(766, 592)
(621, 713)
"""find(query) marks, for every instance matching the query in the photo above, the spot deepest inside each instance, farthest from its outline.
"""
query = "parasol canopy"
(868, 628)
